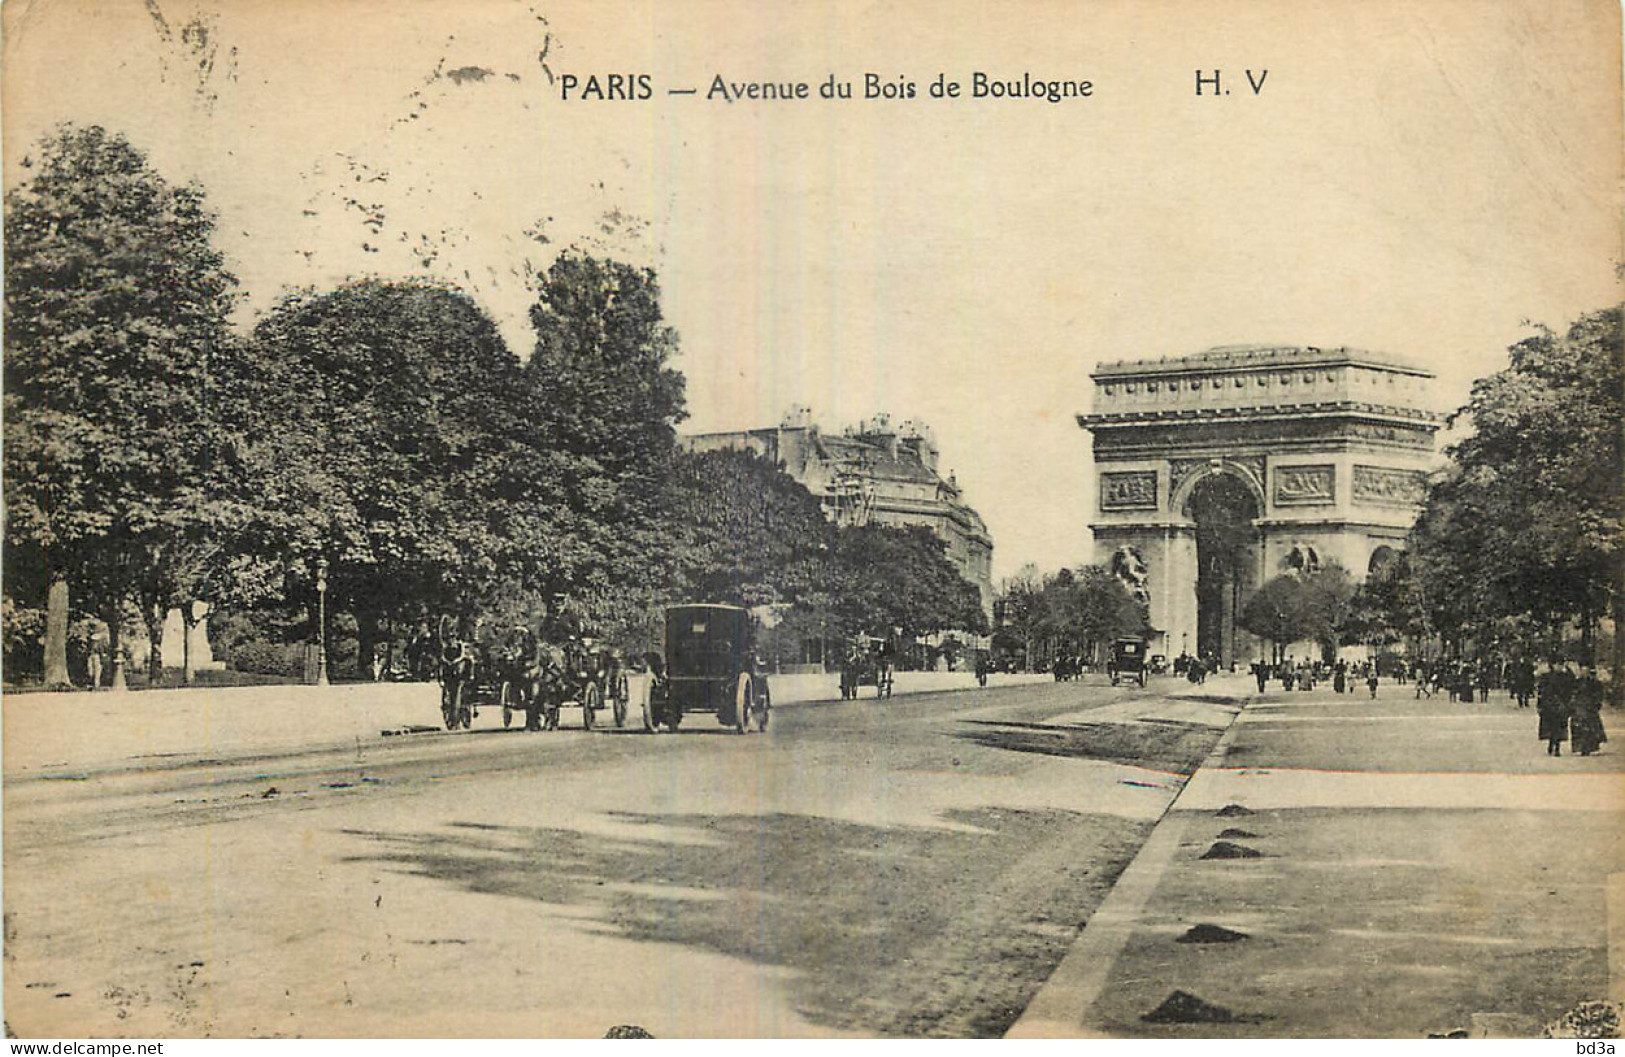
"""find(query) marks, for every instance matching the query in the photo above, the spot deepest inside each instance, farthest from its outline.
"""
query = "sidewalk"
(50, 732)
(1343, 867)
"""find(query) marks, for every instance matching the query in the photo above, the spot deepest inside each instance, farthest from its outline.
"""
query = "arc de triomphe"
(1218, 471)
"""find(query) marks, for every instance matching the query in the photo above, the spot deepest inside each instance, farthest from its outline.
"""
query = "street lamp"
(321, 622)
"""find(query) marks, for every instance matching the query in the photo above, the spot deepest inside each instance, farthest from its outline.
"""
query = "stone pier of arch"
(1331, 446)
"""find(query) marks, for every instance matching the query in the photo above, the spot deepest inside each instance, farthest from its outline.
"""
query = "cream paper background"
(1415, 178)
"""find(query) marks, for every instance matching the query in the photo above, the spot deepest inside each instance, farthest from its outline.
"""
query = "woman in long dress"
(1586, 724)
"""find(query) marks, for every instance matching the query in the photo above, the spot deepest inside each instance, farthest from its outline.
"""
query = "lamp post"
(321, 622)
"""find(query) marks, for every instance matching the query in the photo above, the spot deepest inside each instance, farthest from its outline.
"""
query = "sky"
(1421, 178)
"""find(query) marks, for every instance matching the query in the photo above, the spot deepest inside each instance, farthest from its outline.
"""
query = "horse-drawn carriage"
(708, 665)
(870, 662)
(521, 674)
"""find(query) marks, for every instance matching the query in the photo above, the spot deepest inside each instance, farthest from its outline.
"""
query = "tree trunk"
(56, 632)
(153, 616)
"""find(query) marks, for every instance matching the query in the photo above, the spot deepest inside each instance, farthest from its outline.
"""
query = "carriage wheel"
(623, 697)
(763, 704)
(591, 701)
(743, 697)
(465, 707)
(506, 697)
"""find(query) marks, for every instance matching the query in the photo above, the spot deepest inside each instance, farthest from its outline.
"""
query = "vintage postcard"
(874, 520)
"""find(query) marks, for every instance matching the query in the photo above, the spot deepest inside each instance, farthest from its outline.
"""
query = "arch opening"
(1225, 513)
(1384, 563)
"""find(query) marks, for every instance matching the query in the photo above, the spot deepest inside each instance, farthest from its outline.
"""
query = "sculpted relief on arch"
(1305, 485)
(1129, 490)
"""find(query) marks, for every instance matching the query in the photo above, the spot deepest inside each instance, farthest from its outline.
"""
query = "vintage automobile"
(1128, 662)
(708, 665)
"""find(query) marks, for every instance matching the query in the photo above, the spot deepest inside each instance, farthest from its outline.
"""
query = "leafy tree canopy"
(900, 578)
(116, 306)
(1526, 521)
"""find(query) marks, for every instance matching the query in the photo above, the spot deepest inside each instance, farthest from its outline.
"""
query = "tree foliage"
(1314, 605)
(600, 390)
(745, 532)
(392, 446)
(1068, 611)
(1387, 607)
(383, 432)
(890, 578)
(1525, 524)
(116, 306)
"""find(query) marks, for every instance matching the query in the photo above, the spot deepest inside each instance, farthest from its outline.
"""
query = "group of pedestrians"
(1196, 669)
(1304, 675)
(1464, 680)
(1569, 705)
(1570, 709)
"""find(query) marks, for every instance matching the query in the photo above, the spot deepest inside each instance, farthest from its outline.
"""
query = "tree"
(1275, 612)
(1020, 608)
(1328, 597)
(116, 306)
(393, 445)
(1310, 605)
(746, 532)
(900, 578)
(1106, 610)
(601, 391)
(1387, 607)
(1526, 523)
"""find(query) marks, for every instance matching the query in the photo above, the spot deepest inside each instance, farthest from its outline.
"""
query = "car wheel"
(742, 701)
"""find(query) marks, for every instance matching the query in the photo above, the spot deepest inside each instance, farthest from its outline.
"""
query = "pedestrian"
(1484, 681)
(1371, 682)
(1586, 724)
(1262, 674)
(93, 661)
(1340, 677)
(1552, 704)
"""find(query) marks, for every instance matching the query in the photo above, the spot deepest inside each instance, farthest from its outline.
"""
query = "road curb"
(1061, 1007)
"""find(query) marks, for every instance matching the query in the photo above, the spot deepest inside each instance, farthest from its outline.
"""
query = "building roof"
(1223, 358)
(875, 458)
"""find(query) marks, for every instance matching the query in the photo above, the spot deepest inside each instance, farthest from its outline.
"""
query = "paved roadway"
(912, 867)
